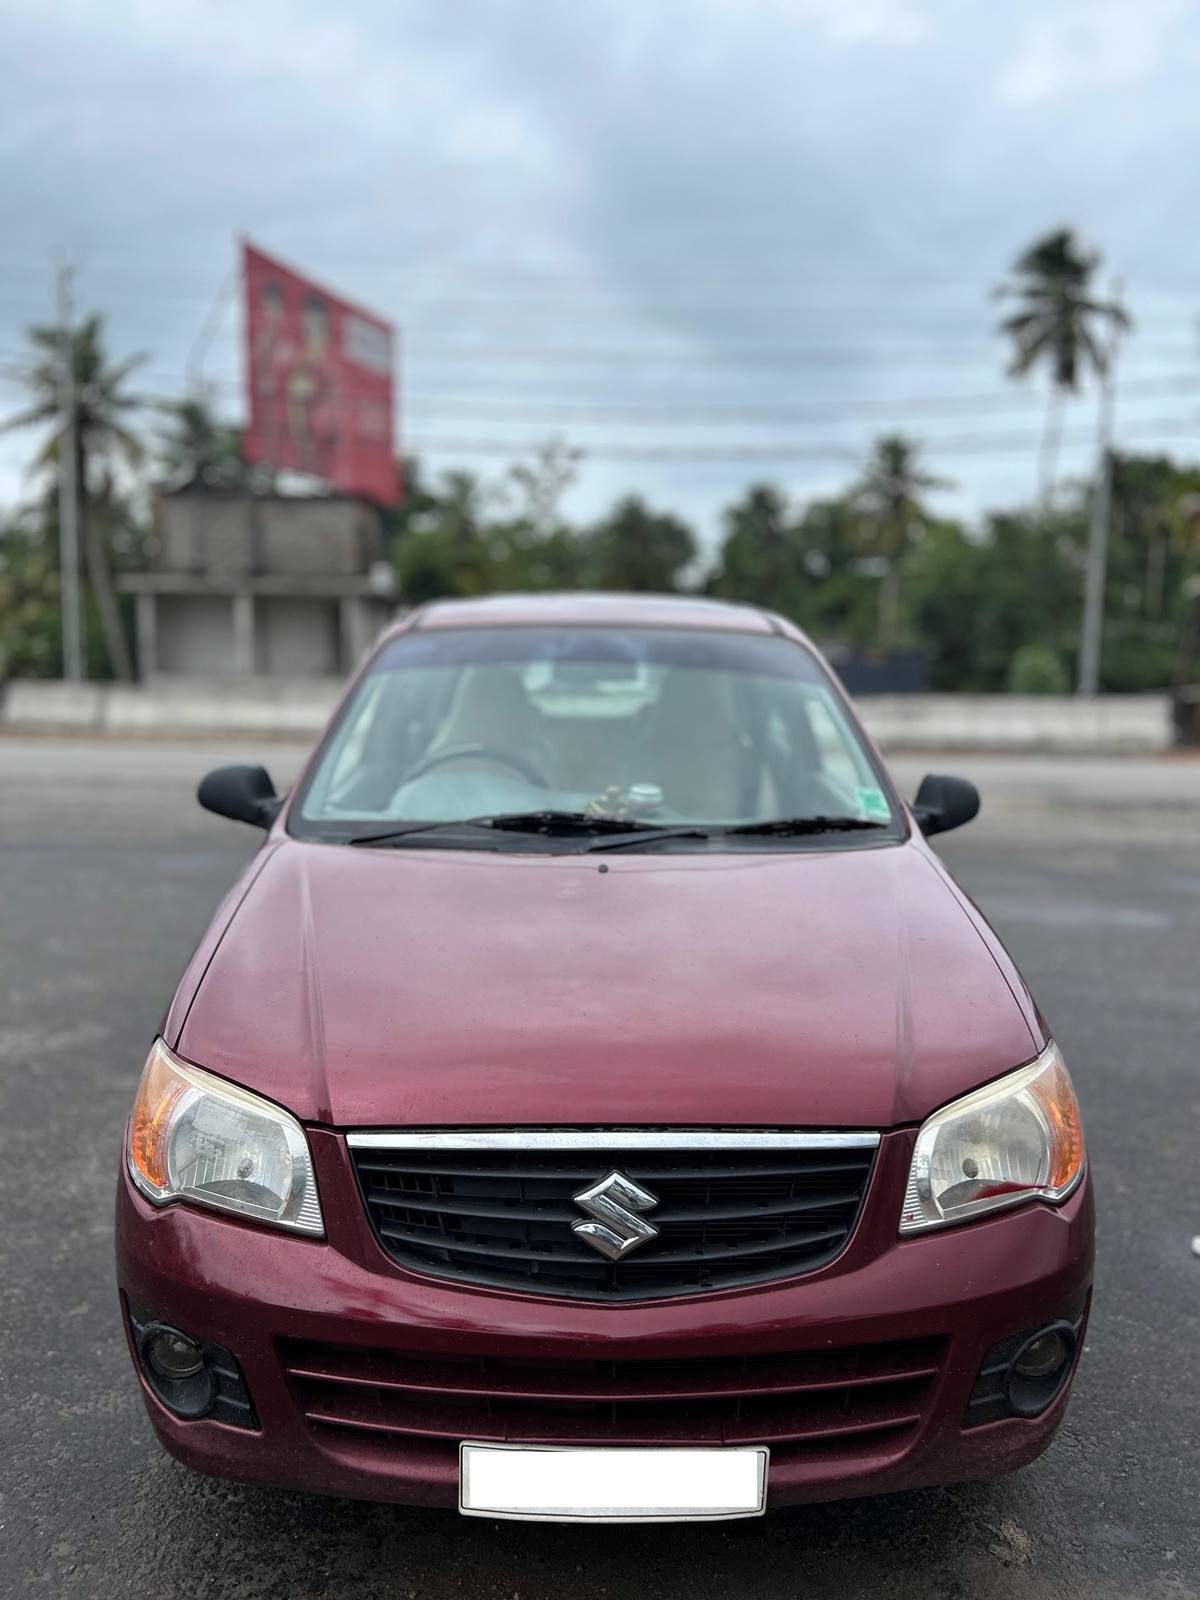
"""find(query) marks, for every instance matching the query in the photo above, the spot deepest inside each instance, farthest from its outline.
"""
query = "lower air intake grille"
(726, 1213)
(842, 1401)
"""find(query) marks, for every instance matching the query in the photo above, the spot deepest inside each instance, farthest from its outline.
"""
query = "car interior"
(692, 743)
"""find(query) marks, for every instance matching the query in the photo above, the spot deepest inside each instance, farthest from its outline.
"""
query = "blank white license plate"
(538, 1483)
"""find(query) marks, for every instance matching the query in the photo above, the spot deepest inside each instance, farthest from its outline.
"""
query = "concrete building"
(246, 585)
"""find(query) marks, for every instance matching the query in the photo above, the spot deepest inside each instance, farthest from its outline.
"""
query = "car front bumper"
(297, 1313)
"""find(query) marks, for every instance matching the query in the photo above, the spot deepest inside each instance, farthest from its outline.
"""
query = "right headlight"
(1018, 1139)
(194, 1136)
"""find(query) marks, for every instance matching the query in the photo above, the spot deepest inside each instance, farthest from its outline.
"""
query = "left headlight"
(193, 1136)
(1017, 1139)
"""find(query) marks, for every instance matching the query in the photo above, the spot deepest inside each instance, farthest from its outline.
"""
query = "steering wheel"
(454, 752)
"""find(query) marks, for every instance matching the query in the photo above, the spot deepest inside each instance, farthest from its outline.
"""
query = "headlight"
(192, 1136)
(1019, 1139)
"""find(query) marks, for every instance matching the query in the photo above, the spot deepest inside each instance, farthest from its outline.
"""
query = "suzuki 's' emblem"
(614, 1202)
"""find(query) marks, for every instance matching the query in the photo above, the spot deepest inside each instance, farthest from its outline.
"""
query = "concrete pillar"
(351, 634)
(146, 610)
(245, 659)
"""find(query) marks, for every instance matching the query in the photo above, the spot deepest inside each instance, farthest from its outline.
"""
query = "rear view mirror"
(943, 803)
(244, 793)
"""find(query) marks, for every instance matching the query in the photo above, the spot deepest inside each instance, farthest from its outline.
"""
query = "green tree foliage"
(534, 547)
(445, 547)
(418, 499)
(30, 638)
(103, 438)
(1154, 548)
(1058, 326)
(893, 517)
(30, 616)
(761, 559)
(197, 450)
(976, 602)
(1036, 669)
(636, 548)
(805, 564)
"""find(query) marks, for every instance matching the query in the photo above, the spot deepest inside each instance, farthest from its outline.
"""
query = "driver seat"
(490, 707)
(697, 748)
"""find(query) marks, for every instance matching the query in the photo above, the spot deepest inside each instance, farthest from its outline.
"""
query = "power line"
(799, 414)
(963, 444)
(602, 410)
(897, 412)
(685, 348)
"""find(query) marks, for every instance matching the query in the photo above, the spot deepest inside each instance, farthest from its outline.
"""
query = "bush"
(1036, 669)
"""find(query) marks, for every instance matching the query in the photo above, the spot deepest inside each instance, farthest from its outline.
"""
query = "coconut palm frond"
(1028, 353)
(1022, 322)
(115, 376)
(100, 404)
(1056, 326)
(1097, 353)
(43, 411)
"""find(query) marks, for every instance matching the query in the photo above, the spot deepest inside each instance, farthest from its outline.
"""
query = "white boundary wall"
(1108, 725)
(1136, 724)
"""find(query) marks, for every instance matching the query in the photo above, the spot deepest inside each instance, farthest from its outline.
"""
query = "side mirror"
(943, 803)
(244, 793)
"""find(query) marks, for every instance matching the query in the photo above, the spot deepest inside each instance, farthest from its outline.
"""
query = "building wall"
(297, 638)
(270, 585)
(226, 534)
(335, 538)
(194, 635)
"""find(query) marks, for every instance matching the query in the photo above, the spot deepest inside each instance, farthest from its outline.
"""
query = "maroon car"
(596, 1100)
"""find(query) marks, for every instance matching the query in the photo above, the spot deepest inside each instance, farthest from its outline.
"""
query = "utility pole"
(1091, 641)
(68, 489)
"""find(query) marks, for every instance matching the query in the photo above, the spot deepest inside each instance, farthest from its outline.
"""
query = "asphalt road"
(108, 873)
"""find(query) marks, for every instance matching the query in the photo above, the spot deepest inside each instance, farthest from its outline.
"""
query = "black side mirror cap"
(244, 793)
(943, 803)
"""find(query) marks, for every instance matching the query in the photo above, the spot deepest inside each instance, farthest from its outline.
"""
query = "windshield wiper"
(394, 835)
(549, 824)
(647, 833)
(567, 824)
(614, 833)
(788, 827)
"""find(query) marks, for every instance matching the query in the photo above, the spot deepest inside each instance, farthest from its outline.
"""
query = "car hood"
(420, 987)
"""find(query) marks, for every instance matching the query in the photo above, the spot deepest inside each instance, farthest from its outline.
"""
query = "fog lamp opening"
(174, 1355)
(175, 1368)
(1043, 1356)
(1040, 1368)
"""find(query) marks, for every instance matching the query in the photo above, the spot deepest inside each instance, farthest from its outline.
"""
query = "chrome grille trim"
(682, 1139)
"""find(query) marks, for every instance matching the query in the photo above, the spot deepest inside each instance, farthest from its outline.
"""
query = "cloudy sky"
(708, 241)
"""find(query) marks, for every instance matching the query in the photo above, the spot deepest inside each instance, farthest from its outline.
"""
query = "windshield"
(663, 726)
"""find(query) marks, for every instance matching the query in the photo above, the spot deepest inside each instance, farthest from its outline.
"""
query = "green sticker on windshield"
(873, 805)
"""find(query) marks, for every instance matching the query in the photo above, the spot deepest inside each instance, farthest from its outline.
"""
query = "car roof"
(568, 609)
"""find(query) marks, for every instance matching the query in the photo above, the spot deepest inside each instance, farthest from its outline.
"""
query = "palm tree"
(1057, 325)
(102, 437)
(197, 449)
(892, 517)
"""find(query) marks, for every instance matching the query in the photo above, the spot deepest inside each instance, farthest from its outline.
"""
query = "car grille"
(836, 1401)
(503, 1216)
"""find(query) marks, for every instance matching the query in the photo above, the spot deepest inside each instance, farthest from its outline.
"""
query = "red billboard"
(319, 374)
